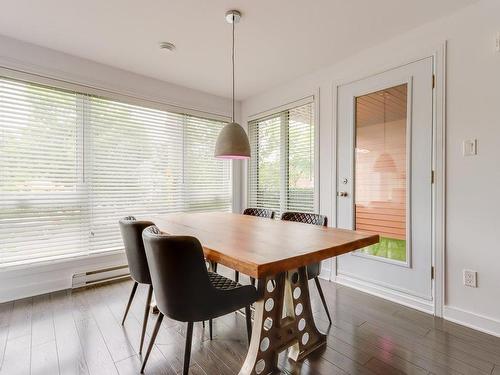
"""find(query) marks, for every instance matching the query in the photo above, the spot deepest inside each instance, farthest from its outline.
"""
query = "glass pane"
(380, 170)
(301, 159)
(264, 170)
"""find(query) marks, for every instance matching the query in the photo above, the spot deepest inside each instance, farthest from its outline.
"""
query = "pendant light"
(232, 142)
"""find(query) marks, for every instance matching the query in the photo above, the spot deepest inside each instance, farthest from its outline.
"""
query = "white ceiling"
(277, 40)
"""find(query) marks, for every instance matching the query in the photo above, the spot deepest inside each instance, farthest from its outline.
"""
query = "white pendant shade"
(232, 143)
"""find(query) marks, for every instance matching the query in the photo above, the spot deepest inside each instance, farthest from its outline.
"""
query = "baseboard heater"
(104, 275)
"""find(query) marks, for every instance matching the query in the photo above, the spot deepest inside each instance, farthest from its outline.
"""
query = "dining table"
(276, 254)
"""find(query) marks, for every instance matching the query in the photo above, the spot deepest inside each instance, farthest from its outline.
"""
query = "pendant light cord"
(232, 60)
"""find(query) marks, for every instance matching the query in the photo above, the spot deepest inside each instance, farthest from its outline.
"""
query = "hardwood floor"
(79, 332)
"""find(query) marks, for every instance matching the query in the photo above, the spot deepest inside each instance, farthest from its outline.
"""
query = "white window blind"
(207, 180)
(281, 170)
(133, 165)
(71, 165)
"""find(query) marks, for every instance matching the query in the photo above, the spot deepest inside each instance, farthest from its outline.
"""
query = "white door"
(384, 185)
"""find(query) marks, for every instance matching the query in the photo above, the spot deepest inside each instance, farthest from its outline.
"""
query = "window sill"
(50, 262)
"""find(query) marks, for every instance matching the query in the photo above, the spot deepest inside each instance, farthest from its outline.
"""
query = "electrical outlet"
(470, 278)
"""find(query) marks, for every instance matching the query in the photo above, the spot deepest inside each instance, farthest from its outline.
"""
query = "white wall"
(472, 111)
(20, 282)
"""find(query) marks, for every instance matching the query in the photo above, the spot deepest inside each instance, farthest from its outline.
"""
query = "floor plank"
(42, 322)
(44, 358)
(157, 365)
(69, 349)
(382, 368)
(17, 359)
(20, 320)
(5, 313)
(79, 332)
(97, 355)
(391, 337)
(114, 336)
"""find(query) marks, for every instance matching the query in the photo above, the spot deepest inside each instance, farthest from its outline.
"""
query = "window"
(281, 170)
(72, 164)
(380, 166)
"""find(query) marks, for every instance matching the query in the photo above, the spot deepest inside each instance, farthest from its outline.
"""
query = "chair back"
(131, 230)
(305, 217)
(260, 212)
(179, 274)
(314, 269)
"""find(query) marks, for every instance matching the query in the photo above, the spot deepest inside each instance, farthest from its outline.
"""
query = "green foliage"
(389, 248)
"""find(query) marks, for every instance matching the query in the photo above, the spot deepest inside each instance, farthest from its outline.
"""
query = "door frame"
(438, 53)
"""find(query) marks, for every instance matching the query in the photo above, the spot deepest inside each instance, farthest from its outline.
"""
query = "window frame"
(81, 91)
(312, 99)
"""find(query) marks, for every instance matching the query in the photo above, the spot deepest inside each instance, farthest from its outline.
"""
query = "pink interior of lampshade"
(234, 157)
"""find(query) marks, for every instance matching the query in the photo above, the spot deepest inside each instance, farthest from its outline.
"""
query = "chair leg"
(146, 315)
(248, 316)
(236, 276)
(322, 296)
(132, 294)
(154, 306)
(210, 328)
(152, 341)
(187, 350)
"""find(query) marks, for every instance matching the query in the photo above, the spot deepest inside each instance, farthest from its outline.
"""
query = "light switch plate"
(469, 147)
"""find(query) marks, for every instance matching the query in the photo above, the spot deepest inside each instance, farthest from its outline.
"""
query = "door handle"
(342, 194)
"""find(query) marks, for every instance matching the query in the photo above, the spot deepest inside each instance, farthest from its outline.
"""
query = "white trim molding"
(272, 111)
(51, 276)
(472, 320)
(386, 293)
(439, 166)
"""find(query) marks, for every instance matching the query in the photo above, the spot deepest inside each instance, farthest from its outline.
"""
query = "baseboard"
(23, 289)
(17, 283)
(475, 321)
(325, 273)
(379, 291)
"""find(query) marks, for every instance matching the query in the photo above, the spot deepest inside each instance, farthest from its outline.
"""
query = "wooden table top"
(261, 247)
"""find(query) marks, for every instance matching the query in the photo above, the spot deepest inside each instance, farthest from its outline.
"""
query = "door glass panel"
(380, 170)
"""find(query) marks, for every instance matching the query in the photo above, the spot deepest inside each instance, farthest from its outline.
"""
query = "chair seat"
(228, 296)
(221, 282)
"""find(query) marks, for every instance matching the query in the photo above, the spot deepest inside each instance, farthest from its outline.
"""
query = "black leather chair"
(260, 212)
(185, 291)
(313, 270)
(131, 230)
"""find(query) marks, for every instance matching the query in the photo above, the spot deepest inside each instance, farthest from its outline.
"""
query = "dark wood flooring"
(79, 332)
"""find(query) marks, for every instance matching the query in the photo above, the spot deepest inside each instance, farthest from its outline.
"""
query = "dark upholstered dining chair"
(314, 269)
(131, 230)
(185, 291)
(260, 212)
